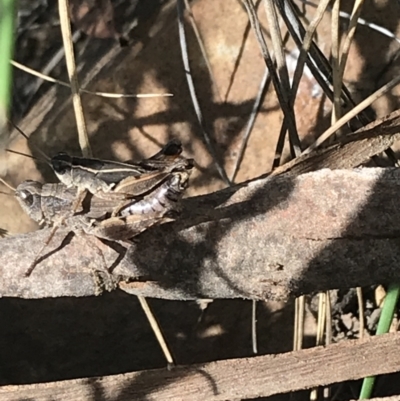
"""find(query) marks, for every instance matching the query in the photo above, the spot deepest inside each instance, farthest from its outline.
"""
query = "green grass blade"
(7, 8)
(385, 321)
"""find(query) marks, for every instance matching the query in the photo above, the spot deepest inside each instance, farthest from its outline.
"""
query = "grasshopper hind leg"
(37, 258)
(104, 281)
(91, 241)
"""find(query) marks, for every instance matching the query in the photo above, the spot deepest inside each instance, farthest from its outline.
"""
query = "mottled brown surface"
(65, 338)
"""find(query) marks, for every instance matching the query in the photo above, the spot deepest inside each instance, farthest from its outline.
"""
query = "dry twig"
(230, 379)
(297, 234)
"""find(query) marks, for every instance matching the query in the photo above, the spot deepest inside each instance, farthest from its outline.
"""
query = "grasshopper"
(148, 193)
(101, 177)
(117, 181)
(147, 188)
(158, 207)
(96, 176)
(51, 204)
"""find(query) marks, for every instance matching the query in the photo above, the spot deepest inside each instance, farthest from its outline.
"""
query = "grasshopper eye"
(30, 202)
(26, 196)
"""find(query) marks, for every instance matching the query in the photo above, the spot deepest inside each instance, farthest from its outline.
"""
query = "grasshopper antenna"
(45, 157)
(47, 161)
(23, 154)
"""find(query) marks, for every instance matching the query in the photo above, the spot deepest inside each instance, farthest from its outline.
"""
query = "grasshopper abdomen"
(162, 200)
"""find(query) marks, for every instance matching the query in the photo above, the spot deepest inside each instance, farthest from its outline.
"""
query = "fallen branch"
(351, 150)
(271, 238)
(231, 379)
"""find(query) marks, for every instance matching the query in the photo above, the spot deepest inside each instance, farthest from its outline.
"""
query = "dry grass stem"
(352, 113)
(73, 77)
(337, 79)
(101, 94)
(283, 101)
(156, 329)
(350, 34)
(193, 95)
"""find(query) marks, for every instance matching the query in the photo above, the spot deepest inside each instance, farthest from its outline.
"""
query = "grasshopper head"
(172, 148)
(62, 166)
(28, 195)
(169, 151)
(179, 181)
(167, 159)
(184, 165)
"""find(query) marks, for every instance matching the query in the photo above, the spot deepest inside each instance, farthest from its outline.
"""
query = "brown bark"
(271, 238)
(351, 150)
(230, 379)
